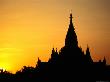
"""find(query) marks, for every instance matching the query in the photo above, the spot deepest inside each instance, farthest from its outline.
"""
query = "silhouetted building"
(69, 64)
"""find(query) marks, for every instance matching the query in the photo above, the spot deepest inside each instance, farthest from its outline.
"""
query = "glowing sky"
(31, 28)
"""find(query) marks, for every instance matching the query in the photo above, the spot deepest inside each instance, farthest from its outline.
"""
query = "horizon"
(30, 29)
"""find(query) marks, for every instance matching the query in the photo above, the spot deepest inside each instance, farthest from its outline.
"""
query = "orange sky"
(30, 28)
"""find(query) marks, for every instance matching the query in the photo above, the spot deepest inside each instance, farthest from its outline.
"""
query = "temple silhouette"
(67, 65)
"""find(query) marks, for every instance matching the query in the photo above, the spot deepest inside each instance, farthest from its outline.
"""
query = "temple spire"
(88, 56)
(104, 61)
(71, 37)
(71, 18)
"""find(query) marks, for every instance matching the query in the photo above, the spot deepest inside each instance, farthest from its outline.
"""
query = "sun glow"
(5, 66)
(6, 59)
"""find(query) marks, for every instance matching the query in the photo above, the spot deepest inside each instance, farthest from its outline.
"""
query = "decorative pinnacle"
(70, 18)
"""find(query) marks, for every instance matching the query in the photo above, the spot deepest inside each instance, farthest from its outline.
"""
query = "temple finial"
(71, 18)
